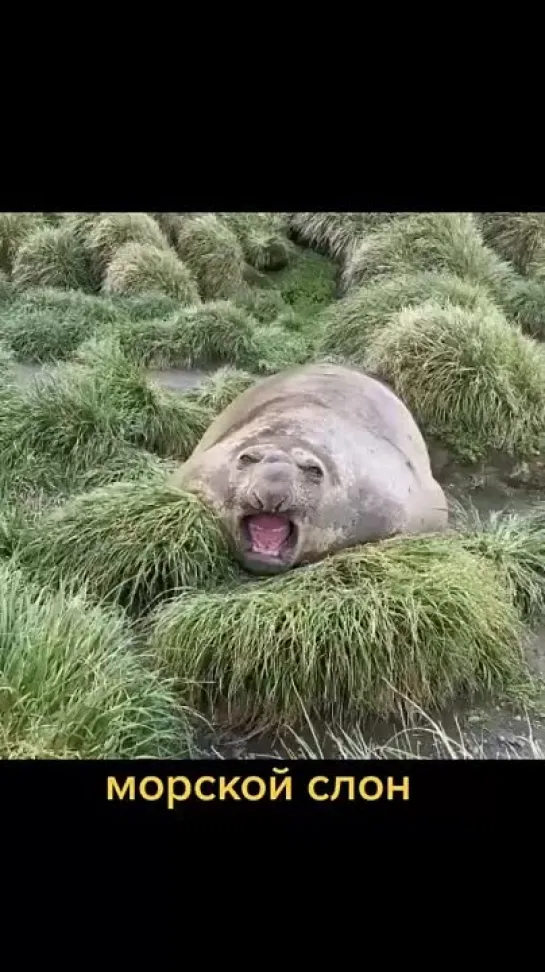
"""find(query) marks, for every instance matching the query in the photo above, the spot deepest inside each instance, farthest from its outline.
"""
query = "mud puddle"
(177, 379)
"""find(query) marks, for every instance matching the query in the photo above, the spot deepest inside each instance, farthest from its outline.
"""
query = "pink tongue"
(268, 533)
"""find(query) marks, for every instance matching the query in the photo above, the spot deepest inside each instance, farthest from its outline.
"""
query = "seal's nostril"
(247, 458)
(256, 500)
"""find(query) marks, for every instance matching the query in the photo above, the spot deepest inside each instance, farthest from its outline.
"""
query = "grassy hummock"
(349, 324)
(472, 381)
(515, 545)
(53, 257)
(517, 237)
(263, 238)
(47, 325)
(107, 232)
(334, 234)
(219, 389)
(140, 268)
(442, 242)
(213, 254)
(73, 684)
(524, 305)
(14, 228)
(92, 414)
(130, 542)
(204, 335)
(342, 639)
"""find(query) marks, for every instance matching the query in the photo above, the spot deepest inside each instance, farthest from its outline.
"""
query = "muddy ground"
(489, 732)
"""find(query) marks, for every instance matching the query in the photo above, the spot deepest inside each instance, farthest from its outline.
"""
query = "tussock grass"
(334, 234)
(53, 257)
(349, 324)
(170, 224)
(524, 304)
(141, 412)
(33, 482)
(154, 343)
(7, 290)
(46, 325)
(7, 359)
(517, 237)
(199, 336)
(213, 254)
(263, 238)
(470, 380)
(263, 305)
(448, 242)
(218, 390)
(108, 232)
(279, 348)
(139, 268)
(14, 228)
(347, 637)
(515, 544)
(91, 422)
(12, 524)
(131, 543)
(143, 307)
(71, 681)
(81, 224)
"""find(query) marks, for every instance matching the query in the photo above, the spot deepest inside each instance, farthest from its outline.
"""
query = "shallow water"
(493, 733)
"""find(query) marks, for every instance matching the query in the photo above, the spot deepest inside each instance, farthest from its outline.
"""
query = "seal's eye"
(247, 458)
(315, 472)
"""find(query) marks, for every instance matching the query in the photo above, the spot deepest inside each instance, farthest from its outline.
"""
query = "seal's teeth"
(268, 533)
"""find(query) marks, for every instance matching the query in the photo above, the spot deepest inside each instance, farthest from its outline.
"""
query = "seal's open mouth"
(268, 536)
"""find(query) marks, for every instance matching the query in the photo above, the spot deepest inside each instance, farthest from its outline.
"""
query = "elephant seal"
(310, 461)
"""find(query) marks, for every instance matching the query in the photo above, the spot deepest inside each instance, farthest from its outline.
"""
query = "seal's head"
(275, 494)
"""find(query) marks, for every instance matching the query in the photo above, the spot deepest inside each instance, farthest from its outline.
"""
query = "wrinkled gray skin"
(329, 446)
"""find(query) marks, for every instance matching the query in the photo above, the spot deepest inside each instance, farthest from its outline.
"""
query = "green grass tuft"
(144, 307)
(219, 389)
(130, 542)
(140, 411)
(524, 304)
(263, 238)
(14, 228)
(279, 348)
(213, 254)
(90, 422)
(515, 544)
(517, 237)
(170, 224)
(349, 324)
(139, 268)
(334, 234)
(46, 325)
(470, 380)
(53, 257)
(342, 638)
(263, 305)
(7, 290)
(108, 232)
(200, 336)
(448, 242)
(72, 683)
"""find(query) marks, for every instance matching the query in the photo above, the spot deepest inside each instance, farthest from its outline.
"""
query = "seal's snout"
(270, 496)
